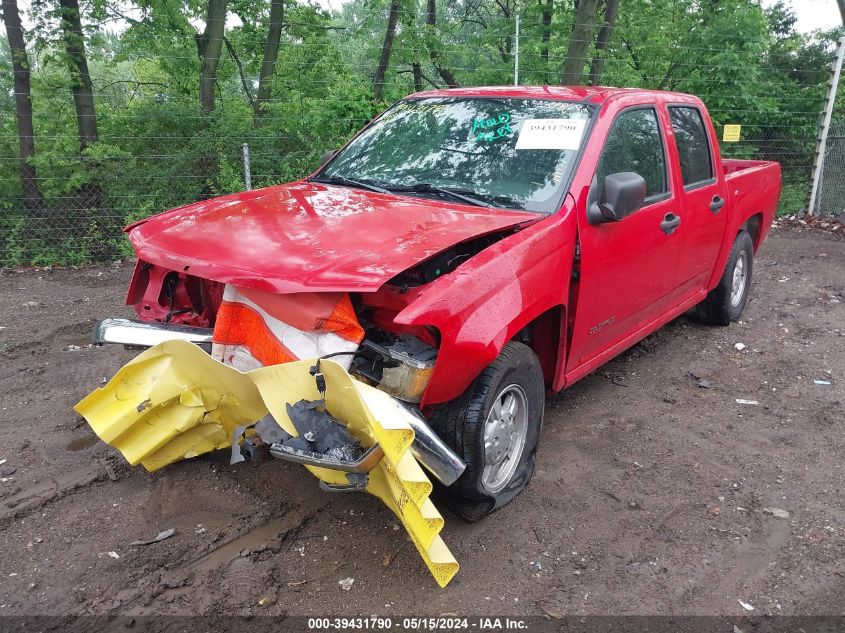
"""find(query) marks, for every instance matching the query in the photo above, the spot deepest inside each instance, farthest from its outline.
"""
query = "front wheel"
(725, 303)
(494, 426)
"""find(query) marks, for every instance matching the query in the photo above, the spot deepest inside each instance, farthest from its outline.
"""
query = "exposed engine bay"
(445, 262)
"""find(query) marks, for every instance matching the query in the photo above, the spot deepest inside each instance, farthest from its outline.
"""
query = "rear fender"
(490, 298)
(753, 204)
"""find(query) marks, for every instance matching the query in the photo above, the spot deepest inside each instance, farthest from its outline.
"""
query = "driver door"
(628, 267)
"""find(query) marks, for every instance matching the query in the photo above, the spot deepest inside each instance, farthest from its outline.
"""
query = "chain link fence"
(830, 198)
(157, 151)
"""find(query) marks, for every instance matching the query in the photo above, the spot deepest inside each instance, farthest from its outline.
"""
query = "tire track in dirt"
(49, 490)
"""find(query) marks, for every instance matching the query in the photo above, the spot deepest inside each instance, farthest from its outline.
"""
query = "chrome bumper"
(434, 455)
(138, 334)
(432, 452)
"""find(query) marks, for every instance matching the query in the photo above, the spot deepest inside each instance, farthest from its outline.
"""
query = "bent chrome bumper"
(432, 452)
(140, 334)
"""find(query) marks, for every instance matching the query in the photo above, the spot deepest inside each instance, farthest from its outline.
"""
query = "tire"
(496, 469)
(725, 303)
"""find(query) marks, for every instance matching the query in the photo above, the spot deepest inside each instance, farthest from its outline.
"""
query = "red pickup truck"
(470, 250)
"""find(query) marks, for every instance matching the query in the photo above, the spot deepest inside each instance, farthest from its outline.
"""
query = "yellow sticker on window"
(731, 133)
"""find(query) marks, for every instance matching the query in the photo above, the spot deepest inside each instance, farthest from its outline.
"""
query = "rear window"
(693, 146)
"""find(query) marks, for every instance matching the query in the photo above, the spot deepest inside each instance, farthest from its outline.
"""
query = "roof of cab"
(590, 94)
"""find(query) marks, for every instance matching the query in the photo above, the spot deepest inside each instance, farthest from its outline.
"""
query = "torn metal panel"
(363, 241)
(174, 402)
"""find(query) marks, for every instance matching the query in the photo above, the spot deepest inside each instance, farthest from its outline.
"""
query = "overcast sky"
(813, 14)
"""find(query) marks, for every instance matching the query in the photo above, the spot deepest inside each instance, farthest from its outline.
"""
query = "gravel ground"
(652, 495)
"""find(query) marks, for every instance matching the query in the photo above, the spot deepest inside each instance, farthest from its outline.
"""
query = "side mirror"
(328, 156)
(622, 194)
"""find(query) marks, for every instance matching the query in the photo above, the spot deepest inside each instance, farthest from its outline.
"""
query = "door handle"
(670, 223)
(716, 204)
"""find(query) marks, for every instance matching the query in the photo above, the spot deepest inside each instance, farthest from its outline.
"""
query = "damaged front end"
(325, 380)
(248, 328)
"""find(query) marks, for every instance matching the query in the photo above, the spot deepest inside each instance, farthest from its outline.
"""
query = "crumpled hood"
(310, 237)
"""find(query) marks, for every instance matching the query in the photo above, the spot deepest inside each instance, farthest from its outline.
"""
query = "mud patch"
(81, 443)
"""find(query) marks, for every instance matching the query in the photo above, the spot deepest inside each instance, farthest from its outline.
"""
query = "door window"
(634, 144)
(693, 146)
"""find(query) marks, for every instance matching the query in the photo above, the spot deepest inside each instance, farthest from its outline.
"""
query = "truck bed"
(732, 166)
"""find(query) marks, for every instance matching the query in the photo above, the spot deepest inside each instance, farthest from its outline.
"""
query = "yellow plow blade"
(171, 403)
(174, 402)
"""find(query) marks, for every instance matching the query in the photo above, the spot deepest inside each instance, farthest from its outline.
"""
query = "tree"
(268, 62)
(80, 78)
(548, 9)
(434, 54)
(416, 69)
(88, 195)
(308, 78)
(611, 8)
(579, 42)
(384, 60)
(32, 196)
(210, 46)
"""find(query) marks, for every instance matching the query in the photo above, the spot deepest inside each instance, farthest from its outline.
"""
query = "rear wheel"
(494, 426)
(725, 303)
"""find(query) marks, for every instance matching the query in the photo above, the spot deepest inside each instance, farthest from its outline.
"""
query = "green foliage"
(793, 197)
(157, 150)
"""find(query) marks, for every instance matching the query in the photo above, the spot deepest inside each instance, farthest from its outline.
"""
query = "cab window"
(693, 146)
(635, 144)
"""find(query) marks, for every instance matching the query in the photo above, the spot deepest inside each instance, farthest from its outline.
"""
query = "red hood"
(307, 236)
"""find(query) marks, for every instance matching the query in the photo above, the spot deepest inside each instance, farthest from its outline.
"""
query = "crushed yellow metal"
(175, 402)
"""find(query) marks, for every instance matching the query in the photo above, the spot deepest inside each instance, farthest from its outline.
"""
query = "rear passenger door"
(703, 198)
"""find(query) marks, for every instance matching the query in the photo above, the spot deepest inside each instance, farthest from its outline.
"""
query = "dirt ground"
(652, 495)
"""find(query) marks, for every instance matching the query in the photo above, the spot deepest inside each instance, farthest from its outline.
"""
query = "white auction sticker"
(551, 134)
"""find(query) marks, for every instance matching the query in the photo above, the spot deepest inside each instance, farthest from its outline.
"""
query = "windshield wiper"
(350, 182)
(457, 194)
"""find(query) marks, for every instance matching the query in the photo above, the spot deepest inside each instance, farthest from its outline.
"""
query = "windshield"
(511, 153)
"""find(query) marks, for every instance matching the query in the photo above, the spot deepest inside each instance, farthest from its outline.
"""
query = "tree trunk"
(80, 79)
(32, 197)
(417, 70)
(100, 232)
(233, 53)
(611, 9)
(268, 63)
(841, 4)
(579, 42)
(548, 10)
(431, 20)
(389, 34)
(210, 50)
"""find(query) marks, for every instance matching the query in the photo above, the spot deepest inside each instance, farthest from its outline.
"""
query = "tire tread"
(716, 309)
(450, 421)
